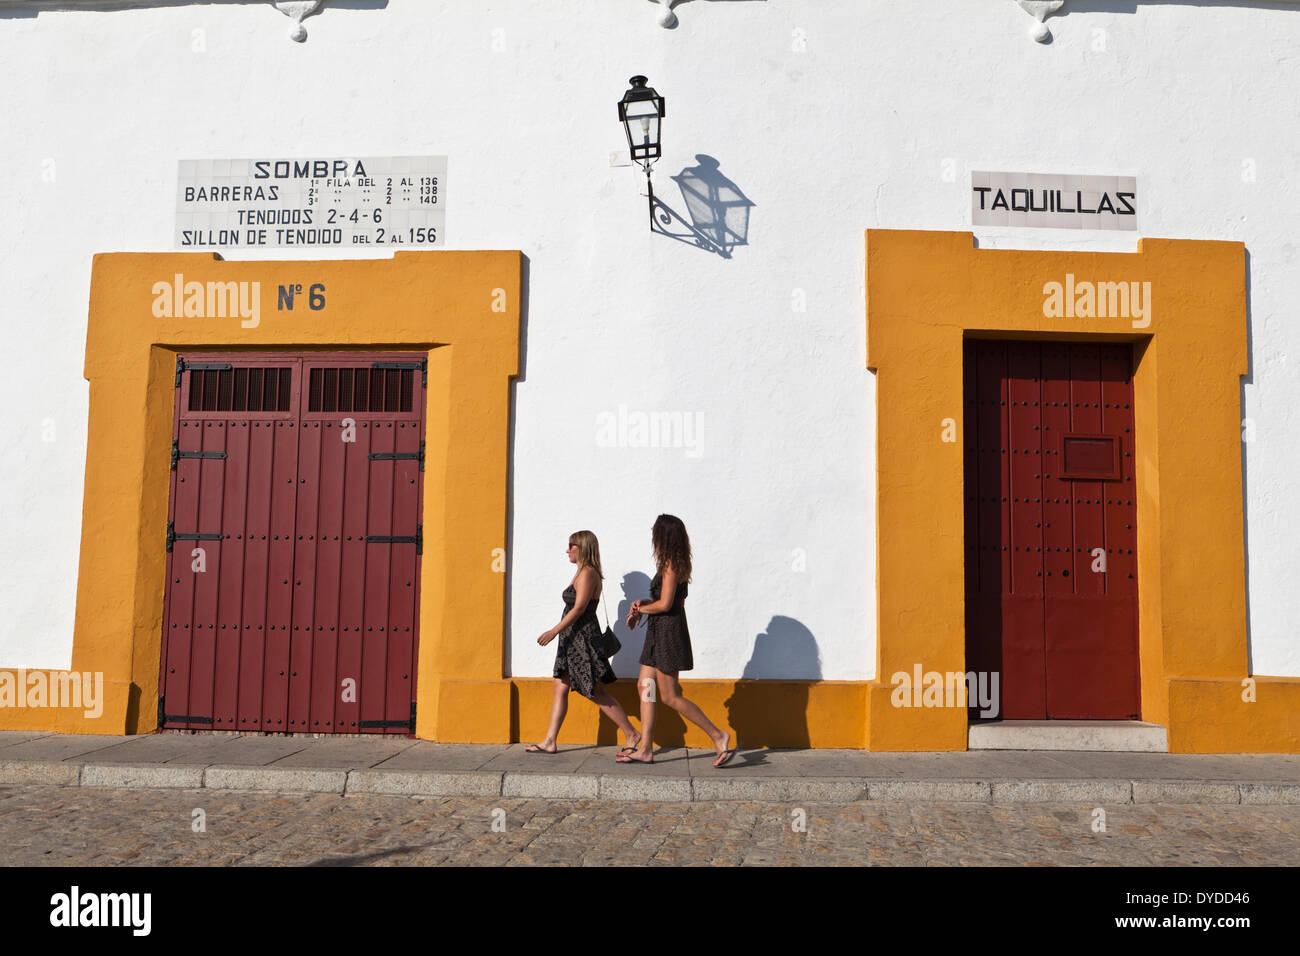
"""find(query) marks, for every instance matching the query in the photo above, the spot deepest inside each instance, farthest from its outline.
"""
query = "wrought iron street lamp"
(640, 111)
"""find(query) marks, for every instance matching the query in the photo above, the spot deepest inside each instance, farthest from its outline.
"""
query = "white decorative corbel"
(298, 10)
(1040, 10)
(667, 19)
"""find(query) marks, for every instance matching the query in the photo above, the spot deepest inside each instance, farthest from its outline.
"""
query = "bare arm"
(586, 588)
(667, 594)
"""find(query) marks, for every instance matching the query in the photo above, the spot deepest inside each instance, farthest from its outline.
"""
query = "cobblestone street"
(77, 826)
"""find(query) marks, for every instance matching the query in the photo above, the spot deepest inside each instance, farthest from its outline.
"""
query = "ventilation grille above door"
(241, 389)
(360, 390)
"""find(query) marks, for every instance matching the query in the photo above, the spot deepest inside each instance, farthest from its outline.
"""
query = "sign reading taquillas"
(1053, 201)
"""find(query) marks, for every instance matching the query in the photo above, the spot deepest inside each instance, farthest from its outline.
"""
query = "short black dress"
(575, 653)
(667, 639)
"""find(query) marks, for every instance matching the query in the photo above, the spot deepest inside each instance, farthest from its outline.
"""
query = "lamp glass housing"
(640, 112)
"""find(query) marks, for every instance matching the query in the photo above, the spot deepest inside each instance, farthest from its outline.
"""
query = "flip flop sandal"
(538, 750)
(624, 758)
(723, 759)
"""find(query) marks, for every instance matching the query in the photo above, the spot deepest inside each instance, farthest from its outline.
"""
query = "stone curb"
(554, 786)
(264, 778)
(34, 771)
(560, 786)
(421, 783)
(1256, 793)
(1063, 791)
(668, 789)
(1185, 791)
(125, 775)
(930, 791)
(780, 789)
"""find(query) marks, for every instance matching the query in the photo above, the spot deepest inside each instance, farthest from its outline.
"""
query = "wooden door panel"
(1055, 543)
(1024, 660)
(1091, 668)
(312, 573)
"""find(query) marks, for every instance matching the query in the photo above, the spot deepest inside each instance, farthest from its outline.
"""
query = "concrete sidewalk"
(397, 765)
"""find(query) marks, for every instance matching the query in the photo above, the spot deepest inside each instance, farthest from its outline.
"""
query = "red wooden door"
(359, 544)
(293, 544)
(1051, 574)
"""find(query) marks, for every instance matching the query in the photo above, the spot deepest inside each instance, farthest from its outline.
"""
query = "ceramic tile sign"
(392, 202)
(1054, 202)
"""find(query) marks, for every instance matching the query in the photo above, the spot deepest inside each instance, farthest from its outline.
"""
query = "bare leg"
(671, 693)
(646, 685)
(612, 709)
(559, 707)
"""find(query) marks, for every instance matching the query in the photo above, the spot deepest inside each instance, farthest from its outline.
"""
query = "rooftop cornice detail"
(295, 10)
(1038, 11)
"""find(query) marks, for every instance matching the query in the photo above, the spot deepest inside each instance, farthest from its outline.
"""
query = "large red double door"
(293, 543)
(1051, 573)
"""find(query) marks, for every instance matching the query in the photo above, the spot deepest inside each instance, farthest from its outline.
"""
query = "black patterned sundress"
(667, 638)
(575, 653)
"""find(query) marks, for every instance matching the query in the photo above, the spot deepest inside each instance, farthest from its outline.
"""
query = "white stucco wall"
(831, 116)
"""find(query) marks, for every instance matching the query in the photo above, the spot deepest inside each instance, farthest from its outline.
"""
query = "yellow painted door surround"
(1183, 305)
(463, 308)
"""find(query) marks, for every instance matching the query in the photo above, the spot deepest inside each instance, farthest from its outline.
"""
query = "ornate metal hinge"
(422, 365)
(409, 724)
(400, 455)
(416, 539)
(173, 535)
(183, 366)
(178, 454)
(164, 717)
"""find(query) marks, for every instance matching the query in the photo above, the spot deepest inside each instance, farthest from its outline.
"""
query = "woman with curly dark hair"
(668, 643)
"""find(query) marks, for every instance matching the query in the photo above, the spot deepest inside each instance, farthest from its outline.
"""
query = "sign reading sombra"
(320, 201)
(1053, 202)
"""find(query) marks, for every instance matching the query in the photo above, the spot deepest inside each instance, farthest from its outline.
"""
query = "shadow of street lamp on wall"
(718, 210)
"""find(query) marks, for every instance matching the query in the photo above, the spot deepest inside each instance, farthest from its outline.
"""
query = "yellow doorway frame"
(463, 308)
(926, 293)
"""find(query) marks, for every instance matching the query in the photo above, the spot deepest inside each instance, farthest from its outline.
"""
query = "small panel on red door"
(1091, 457)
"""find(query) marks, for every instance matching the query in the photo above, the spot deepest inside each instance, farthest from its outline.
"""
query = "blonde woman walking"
(668, 643)
(578, 664)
